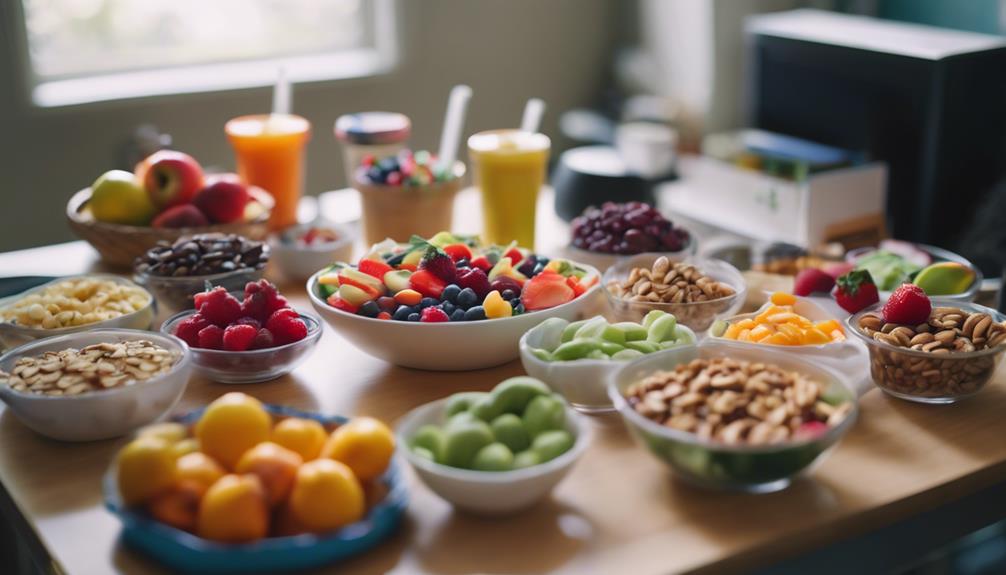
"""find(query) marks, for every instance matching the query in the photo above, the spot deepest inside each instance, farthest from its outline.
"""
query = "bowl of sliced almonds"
(94, 385)
(735, 418)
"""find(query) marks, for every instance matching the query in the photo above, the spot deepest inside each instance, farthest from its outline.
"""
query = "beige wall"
(506, 50)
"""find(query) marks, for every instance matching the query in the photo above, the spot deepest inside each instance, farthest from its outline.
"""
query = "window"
(91, 50)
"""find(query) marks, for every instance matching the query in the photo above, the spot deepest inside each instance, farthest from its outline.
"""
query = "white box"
(844, 204)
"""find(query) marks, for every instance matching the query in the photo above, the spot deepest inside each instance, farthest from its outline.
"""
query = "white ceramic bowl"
(449, 346)
(488, 492)
(297, 262)
(582, 382)
(848, 356)
(98, 414)
(13, 335)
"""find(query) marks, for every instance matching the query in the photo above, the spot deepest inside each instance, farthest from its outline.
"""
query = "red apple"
(183, 216)
(223, 199)
(171, 178)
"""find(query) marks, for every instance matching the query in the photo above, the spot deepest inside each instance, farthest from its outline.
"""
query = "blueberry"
(527, 266)
(369, 309)
(467, 298)
(375, 175)
(450, 293)
(508, 294)
(403, 312)
(519, 309)
(514, 302)
(458, 315)
(463, 263)
(448, 307)
(413, 317)
(538, 268)
(475, 313)
(427, 302)
(540, 260)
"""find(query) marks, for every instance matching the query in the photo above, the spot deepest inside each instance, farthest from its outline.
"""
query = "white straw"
(281, 93)
(454, 121)
(533, 111)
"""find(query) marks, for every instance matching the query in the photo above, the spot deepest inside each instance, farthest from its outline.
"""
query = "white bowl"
(297, 262)
(488, 492)
(13, 335)
(449, 346)
(848, 356)
(582, 382)
(98, 414)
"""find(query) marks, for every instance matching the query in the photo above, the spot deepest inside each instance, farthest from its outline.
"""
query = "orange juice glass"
(509, 171)
(270, 155)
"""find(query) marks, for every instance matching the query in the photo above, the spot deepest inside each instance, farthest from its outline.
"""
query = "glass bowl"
(13, 335)
(98, 414)
(189, 553)
(697, 315)
(602, 261)
(713, 464)
(938, 255)
(925, 377)
(174, 294)
(254, 365)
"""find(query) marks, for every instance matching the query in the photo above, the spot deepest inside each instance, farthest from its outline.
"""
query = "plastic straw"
(533, 111)
(281, 93)
(454, 121)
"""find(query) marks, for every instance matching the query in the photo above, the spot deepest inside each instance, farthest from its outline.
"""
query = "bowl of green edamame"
(494, 452)
(576, 358)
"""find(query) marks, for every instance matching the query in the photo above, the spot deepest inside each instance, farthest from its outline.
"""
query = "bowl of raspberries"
(600, 236)
(245, 337)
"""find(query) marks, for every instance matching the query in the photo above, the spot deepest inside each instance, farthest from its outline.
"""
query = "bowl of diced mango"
(784, 320)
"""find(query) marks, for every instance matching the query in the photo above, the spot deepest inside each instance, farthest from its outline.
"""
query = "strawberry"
(908, 305)
(812, 280)
(458, 252)
(338, 303)
(374, 268)
(476, 279)
(439, 264)
(427, 283)
(546, 290)
(514, 255)
(482, 263)
(856, 291)
(574, 283)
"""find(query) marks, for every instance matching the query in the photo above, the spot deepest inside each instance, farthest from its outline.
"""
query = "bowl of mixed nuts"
(74, 304)
(697, 291)
(730, 418)
(950, 356)
(94, 385)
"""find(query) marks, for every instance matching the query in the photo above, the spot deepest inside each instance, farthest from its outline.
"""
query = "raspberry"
(248, 321)
(211, 337)
(434, 315)
(239, 337)
(263, 339)
(286, 326)
(264, 289)
(218, 306)
(256, 305)
(278, 303)
(188, 329)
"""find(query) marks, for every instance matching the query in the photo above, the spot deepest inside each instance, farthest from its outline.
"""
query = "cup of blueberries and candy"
(451, 278)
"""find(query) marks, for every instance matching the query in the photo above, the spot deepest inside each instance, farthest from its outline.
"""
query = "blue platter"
(186, 552)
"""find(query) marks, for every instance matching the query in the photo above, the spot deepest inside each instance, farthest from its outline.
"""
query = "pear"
(945, 278)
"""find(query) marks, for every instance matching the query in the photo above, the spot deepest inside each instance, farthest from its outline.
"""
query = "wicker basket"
(120, 244)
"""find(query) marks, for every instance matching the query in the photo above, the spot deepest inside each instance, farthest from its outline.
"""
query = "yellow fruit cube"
(783, 298)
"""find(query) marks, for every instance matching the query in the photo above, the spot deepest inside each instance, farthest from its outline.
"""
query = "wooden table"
(619, 511)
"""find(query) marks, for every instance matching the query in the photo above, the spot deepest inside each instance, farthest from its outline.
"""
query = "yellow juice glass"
(509, 170)
(270, 155)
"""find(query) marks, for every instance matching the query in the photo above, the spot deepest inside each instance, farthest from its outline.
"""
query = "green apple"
(116, 197)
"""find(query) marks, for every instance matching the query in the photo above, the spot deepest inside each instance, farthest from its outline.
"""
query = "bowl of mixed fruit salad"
(448, 302)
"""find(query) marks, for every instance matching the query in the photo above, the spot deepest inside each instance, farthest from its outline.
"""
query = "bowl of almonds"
(949, 355)
(94, 385)
(733, 418)
(697, 291)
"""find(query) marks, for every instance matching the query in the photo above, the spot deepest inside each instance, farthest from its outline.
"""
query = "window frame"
(379, 57)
